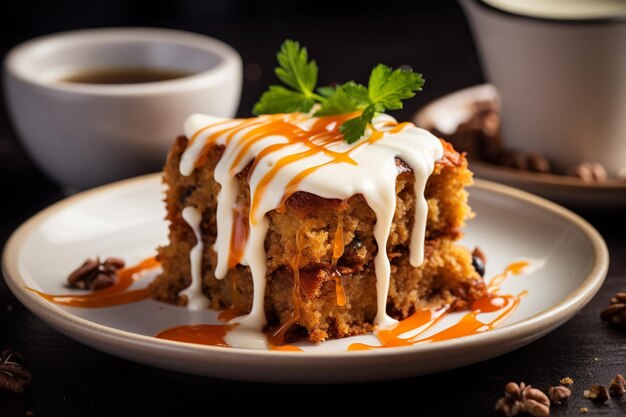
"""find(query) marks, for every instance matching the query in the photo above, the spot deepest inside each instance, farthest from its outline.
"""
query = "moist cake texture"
(320, 253)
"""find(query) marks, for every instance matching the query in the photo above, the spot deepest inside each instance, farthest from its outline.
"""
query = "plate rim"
(85, 331)
(423, 119)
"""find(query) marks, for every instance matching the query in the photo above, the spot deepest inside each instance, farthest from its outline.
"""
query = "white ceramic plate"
(447, 112)
(570, 261)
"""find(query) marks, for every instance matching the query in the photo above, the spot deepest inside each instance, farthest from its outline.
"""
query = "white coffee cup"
(83, 135)
(560, 69)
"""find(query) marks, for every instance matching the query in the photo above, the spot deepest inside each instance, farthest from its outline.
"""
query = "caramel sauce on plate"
(424, 320)
(419, 323)
(201, 334)
(111, 296)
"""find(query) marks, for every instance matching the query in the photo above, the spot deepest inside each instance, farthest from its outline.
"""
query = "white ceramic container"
(560, 69)
(83, 135)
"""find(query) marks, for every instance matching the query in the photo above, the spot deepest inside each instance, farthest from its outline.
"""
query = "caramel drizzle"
(316, 140)
(323, 133)
(515, 268)
(338, 248)
(419, 322)
(277, 338)
(292, 185)
(424, 320)
(212, 138)
(239, 237)
(111, 296)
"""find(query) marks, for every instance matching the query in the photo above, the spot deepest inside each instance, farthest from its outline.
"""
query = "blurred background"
(346, 38)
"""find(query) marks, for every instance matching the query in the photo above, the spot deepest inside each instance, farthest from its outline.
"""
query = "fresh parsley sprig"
(298, 73)
(385, 91)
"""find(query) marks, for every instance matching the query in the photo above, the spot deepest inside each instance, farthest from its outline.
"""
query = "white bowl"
(83, 135)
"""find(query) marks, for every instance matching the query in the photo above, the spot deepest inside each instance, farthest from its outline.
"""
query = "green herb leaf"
(326, 91)
(354, 128)
(337, 103)
(385, 91)
(297, 72)
(388, 88)
(347, 98)
(358, 93)
(278, 99)
(295, 68)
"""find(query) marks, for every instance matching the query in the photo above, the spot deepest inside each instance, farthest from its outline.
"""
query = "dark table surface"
(71, 379)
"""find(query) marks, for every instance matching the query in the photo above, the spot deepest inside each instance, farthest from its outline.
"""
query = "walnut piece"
(523, 398)
(558, 394)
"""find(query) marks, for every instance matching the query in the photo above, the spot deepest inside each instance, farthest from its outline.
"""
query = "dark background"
(347, 39)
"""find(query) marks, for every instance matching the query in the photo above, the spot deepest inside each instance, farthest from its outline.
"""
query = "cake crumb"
(566, 381)
(584, 410)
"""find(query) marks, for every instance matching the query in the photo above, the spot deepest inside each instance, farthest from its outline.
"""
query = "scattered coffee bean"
(589, 172)
(14, 376)
(480, 137)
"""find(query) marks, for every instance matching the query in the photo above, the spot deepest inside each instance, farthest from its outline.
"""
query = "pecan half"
(14, 376)
(95, 275)
(615, 313)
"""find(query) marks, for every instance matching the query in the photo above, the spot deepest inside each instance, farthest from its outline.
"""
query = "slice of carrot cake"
(316, 224)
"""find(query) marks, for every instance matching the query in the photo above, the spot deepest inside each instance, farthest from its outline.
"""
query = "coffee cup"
(560, 70)
(84, 131)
